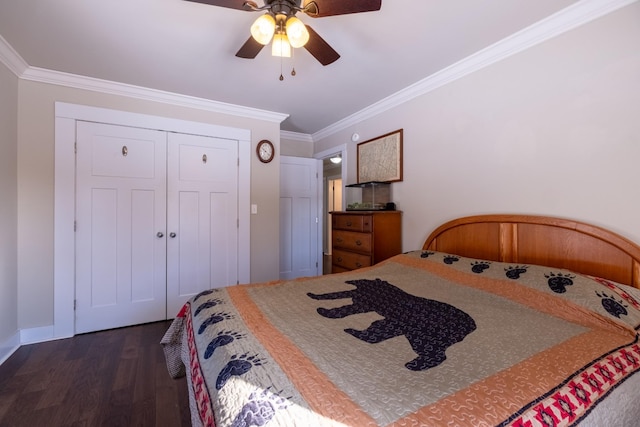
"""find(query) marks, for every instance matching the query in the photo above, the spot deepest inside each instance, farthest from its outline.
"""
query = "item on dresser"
(369, 196)
(364, 238)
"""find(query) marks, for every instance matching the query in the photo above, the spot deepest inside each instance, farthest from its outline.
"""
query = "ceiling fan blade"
(320, 49)
(249, 49)
(340, 7)
(231, 4)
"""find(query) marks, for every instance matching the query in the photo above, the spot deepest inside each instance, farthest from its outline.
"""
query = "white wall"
(35, 188)
(8, 210)
(554, 130)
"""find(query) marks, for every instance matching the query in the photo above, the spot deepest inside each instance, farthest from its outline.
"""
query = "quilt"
(422, 339)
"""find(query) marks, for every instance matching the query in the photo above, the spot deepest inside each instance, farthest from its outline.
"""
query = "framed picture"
(380, 159)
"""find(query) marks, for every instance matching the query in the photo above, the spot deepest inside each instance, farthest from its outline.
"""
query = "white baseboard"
(26, 336)
(35, 335)
(9, 346)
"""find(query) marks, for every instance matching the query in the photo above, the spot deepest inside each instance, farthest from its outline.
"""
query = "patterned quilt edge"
(199, 385)
(570, 402)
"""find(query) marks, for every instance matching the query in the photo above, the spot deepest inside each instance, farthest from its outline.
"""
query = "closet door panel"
(121, 222)
(223, 262)
(202, 216)
(191, 277)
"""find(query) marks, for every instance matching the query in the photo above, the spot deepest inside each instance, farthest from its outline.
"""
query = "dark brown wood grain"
(109, 378)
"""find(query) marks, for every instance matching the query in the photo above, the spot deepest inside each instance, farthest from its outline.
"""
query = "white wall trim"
(114, 88)
(35, 335)
(565, 20)
(9, 346)
(64, 195)
(295, 136)
(11, 59)
(14, 62)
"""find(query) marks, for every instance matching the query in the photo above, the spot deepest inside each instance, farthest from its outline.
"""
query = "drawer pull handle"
(125, 151)
(358, 265)
(339, 259)
(358, 242)
(349, 224)
(339, 240)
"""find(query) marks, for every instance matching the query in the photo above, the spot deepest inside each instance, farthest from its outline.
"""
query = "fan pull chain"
(281, 76)
(293, 61)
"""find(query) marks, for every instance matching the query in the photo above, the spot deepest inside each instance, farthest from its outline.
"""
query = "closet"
(156, 222)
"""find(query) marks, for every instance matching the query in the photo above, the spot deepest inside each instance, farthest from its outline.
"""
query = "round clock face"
(265, 151)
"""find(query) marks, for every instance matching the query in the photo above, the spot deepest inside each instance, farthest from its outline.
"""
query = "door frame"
(342, 149)
(66, 116)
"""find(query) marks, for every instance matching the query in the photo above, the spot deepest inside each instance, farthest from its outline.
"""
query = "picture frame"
(380, 158)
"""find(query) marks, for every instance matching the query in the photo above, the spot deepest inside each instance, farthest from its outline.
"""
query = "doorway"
(332, 200)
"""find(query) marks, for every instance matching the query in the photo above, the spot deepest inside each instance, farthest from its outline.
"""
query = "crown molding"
(114, 88)
(295, 136)
(11, 59)
(14, 62)
(574, 16)
(565, 20)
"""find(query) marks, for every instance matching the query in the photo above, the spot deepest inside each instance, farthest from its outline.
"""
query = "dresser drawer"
(338, 269)
(352, 222)
(360, 242)
(350, 260)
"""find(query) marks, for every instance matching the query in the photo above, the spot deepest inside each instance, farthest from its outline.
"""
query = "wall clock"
(265, 151)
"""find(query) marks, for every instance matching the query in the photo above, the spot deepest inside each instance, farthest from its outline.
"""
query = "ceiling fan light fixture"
(281, 46)
(297, 32)
(263, 28)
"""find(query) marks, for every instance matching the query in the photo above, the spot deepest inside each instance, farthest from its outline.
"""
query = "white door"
(299, 227)
(120, 226)
(202, 215)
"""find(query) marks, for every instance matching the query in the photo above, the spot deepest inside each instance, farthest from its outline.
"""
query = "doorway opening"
(333, 201)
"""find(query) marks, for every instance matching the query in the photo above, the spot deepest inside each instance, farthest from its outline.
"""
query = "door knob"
(160, 234)
(172, 234)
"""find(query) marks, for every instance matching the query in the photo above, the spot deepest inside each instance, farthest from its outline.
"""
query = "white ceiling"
(189, 48)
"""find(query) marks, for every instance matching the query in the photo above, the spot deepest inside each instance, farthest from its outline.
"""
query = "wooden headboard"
(528, 239)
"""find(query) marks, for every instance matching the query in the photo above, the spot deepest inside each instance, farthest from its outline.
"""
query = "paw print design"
(450, 259)
(203, 293)
(613, 307)
(223, 338)
(621, 292)
(210, 303)
(238, 365)
(213, 319)
(558, 282)
(514, 272)
(426, 254)
(260, 408)
(479, 266)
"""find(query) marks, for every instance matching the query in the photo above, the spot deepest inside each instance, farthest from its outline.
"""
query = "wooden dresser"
(363, 238)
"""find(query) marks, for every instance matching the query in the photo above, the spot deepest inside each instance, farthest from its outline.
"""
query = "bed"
(498, 320)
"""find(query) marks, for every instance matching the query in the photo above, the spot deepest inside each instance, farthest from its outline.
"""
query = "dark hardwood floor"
(109, 378)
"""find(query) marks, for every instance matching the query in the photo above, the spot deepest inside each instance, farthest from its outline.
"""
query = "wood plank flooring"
(109, 378)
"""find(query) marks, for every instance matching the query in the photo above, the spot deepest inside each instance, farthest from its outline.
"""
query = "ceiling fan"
(280, 24)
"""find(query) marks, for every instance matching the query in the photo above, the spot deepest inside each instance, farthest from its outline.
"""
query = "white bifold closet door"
(156, 222)
(202, 216)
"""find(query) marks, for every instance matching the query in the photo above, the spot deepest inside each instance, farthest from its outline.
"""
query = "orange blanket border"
(314, 386)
